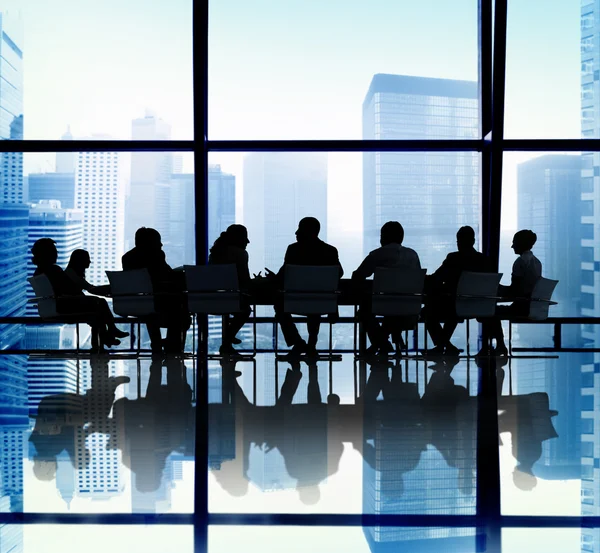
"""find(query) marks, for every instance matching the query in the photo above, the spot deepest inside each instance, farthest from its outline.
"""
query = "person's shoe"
(297, 350)
(118, 380)
(372, 350)
(386, 348)
(119, 333)
(437, 351)
(236, 341)
(501, 351)
(452, 350)
(110, 342)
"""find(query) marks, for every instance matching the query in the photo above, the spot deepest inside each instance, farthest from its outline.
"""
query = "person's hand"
(269, 273)
(259, 275)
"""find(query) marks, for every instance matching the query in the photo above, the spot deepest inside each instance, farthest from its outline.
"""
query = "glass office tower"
(431, 193)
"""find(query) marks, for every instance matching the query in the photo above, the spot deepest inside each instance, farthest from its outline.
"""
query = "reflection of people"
(391, 254)
(155, 425)
(526, 271)
(528, 418)
(230, 248)
(62, 419)
(70, 299)
(309, 249)
(168, 288)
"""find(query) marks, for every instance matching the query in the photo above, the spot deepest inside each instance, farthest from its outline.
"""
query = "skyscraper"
(432, 194)
(221, 194)
(182, 224)
(65, 161)
(148, 197)
(99, 194)
(280, 189)
(13, 212)
(52, 186)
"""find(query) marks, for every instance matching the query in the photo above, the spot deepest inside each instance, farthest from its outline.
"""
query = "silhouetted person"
(526, 271)
(391, 254)
(309, 249)
(168, 286)
(70, 299)
(441, 290)
(230, 249)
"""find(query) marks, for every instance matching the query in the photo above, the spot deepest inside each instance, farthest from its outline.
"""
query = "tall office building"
(52, 186)
(182, 224)
(147, 203)
(432, 194)
(13, 212)
(99, 194)
(280, 189)
(49, 376)
(221, 196)
(65, 161)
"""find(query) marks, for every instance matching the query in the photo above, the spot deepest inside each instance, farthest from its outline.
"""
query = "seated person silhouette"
(78, 263)
(441, 288)
(526, 271)
(70, 299)
(230, 248)
(309, 249)
(391, 254)
(168, 286)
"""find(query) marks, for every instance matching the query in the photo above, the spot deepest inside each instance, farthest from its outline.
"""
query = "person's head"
(44, 469)
(79, 261)
(148, 239)
(523, 241)
(44, 252)
(392, 233)
(465, 238)
(237, 235)
(333, 399)
(309, 495)
(308, 229)
(524, 479)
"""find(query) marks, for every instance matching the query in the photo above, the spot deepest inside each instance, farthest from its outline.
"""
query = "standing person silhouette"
(391, 254)
(309, 249)
(441, 287)
(70, 298)
(168, 288)
(230, 248)
(526, 271)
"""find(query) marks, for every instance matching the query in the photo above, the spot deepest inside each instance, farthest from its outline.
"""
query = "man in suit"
(441, 287)
(309, 249)
(168, 286)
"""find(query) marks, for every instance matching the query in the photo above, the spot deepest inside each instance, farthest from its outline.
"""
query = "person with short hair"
(230, 249)
(391, 254)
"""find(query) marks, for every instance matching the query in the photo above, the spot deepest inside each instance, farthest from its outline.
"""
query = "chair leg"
(468, 337)
(509, 337)
(194, 352)
(77, 336)
(330, 338)
(254, 330)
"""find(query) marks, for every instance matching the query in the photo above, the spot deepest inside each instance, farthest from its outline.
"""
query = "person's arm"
(336, 256)
(442, 272)
(365, 269)
(516, 281)
(243, 270)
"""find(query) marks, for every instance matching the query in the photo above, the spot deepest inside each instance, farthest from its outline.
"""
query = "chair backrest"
(132, 293)
(46, 302)
(310, 289)
(540, 298)
(213, 289)
(475, 294)
(394, 291)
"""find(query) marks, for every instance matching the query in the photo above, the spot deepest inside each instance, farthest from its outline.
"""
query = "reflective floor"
(341, 436)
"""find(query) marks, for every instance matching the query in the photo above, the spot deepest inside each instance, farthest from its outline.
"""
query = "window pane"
(357, 540)
(62, 75)
(548, 540)
(89, 200)
(551, 70)
(340, 61)
(353, 195)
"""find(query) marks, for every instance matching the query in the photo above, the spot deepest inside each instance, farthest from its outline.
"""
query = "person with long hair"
(78, 263)
(230, 249)
(70, 298)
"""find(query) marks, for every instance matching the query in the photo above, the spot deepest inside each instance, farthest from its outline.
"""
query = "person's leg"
(314, 390)
(313, 324)
(288, 328)
(236, 322)
(153, 328)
